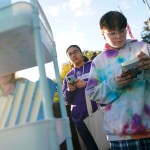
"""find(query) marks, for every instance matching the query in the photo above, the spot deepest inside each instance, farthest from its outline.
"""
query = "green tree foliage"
(56, 98)
(64, 70)
(89, 54)
(145, 35)
(66, 67)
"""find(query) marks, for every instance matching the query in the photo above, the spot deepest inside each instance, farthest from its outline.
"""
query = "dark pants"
(75, 140)
(86, 137)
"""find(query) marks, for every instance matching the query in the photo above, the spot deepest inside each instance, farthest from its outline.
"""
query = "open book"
(131, 67)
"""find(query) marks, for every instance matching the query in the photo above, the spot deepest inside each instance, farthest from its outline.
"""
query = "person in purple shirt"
(74, 94)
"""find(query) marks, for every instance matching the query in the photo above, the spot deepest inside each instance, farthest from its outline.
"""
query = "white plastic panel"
(16, 39)
(34, 136)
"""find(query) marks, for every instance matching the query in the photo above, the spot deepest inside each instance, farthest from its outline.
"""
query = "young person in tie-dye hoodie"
(125, 101)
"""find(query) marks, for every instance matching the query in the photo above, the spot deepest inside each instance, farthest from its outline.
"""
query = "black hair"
(85, 59)
(93, 56)
(76, 46)
(113, 19)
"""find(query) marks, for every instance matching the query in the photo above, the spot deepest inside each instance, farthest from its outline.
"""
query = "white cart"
(26, 41)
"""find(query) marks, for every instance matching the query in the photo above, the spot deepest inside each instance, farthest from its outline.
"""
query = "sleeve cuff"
(114, 84)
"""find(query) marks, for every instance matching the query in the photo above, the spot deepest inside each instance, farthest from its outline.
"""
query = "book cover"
(131, 67)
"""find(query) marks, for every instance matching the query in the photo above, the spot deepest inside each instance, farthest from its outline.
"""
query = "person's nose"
(73, 54)
(118, 35)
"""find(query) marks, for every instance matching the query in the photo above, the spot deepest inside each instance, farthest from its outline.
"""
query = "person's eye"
(76, 52)
(112, 33)
(69, 54)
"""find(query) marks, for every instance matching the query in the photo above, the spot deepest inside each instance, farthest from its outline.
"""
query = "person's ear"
(102, 33)
(103, 36)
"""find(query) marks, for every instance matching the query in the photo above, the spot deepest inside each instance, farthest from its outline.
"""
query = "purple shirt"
(77, 98)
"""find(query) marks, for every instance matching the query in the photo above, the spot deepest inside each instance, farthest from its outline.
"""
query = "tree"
(64, 70)
(145, 35)
(89, 53)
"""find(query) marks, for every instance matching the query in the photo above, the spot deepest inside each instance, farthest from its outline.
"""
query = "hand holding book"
(131, 68)
(144, 61)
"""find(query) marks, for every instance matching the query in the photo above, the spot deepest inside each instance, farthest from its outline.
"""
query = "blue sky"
(77, 21)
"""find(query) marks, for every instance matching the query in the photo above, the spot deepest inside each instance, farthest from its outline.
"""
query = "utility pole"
(146, 3)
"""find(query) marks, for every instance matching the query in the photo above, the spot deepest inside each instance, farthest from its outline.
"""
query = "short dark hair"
(76, 46)
(85, 59)
(93, 56)
(113, 19)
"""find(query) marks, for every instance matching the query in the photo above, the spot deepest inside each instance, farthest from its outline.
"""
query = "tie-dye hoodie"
(127, 109)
